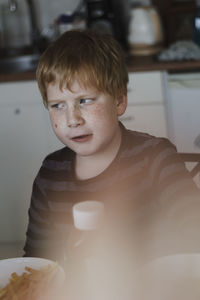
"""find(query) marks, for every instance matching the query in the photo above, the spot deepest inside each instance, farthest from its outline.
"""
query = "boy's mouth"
(82, 138)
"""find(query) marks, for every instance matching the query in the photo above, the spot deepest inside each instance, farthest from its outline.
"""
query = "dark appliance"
(109, 16)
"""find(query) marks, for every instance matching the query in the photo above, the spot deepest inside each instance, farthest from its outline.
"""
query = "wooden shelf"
(178, 9)
(182, 6)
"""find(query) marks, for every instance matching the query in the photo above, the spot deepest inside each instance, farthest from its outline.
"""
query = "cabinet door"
(146, 87)
(146, 118)
(183, 107)
(26, 138)
(23, 147)
(146, 106)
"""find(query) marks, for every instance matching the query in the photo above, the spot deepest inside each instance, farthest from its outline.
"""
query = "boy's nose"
(74, 118)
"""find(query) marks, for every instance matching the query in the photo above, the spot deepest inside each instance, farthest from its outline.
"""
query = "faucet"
(12, 5)
(35, 33)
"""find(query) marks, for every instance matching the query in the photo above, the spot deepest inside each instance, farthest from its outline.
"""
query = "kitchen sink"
(19, 63)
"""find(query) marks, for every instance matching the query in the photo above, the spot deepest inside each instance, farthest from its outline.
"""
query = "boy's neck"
(87, 167)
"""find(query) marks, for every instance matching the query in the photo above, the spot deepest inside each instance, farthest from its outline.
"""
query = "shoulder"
(55, 170)
(59, 155)
(160, 154)
(57, 162)
(146, 144)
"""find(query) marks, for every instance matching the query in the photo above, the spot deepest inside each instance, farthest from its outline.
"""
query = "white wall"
(16, 25)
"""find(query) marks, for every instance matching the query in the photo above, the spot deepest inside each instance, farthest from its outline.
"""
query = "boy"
(83, 80)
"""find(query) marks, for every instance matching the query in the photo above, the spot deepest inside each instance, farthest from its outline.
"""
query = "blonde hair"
(93, 59)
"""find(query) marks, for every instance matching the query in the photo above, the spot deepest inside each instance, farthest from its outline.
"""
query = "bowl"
(174, 277)
(11, 265)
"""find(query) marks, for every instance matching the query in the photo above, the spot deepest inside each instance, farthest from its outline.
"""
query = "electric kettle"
(145, 31)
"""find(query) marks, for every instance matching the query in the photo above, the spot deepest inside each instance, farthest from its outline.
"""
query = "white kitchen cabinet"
(183, 111)
(146, 103)
(146, 118)
(25, 139)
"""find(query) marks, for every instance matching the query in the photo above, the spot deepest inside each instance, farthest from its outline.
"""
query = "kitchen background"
(164, 97)
(176, 17)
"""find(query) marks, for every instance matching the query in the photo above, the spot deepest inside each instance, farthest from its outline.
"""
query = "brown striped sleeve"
(175, 224)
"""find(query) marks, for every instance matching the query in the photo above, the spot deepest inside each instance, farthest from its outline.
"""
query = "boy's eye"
(57, 106)
(86, 101)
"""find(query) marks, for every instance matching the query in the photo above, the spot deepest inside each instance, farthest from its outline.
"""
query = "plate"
(174, 277)
(10, 265)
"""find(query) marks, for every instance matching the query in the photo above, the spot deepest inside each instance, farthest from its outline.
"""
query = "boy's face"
(84, 119)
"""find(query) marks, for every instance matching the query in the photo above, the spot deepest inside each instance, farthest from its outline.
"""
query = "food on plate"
(31, 285)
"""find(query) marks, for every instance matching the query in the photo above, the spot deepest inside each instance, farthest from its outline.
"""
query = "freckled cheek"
(102, 113)
(98, 112)
(92, 116)
(54, 122)
(57, 123)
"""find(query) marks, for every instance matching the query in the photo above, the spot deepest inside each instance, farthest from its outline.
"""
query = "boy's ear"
(121, 104)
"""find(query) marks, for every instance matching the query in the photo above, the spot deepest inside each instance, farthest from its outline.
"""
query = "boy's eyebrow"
(85, 94)
(80, 96)
(54, 100)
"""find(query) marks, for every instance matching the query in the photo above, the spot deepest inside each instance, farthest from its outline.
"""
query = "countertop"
(134, 64)
(150, 63)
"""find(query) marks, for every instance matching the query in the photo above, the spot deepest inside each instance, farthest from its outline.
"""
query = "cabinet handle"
(17, 111)
(197, 141)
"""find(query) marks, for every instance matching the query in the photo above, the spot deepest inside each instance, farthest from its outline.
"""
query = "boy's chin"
(84, 153)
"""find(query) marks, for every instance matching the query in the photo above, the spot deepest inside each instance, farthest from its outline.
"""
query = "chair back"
(194, 168)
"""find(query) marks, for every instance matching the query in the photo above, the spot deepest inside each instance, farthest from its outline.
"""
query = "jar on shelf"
(65, 22)
(69, 21)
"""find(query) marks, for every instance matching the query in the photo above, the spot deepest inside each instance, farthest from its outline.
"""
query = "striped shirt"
(144, 179)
